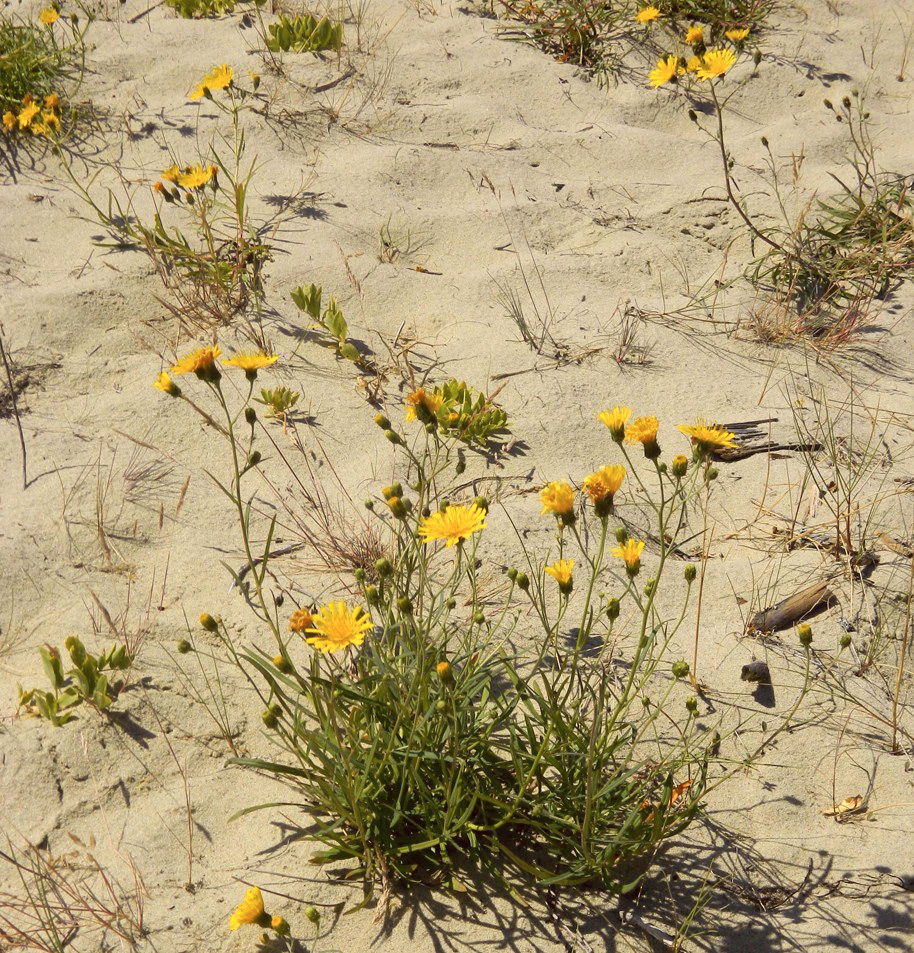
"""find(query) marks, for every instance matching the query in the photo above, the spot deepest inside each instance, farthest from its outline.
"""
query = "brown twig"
(9, 379)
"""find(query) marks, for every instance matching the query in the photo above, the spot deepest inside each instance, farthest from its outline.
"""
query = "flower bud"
(461, 462)
(312, 915)
(451, 603)
(845, 640)
(393, 436)
(444, 672)
(679, 465)
(440, 705)
(359, 574)
(479, 617)
(283, 664)
(612, 609)
(804, 633)
(482, 503)
(280, 926)
(680, 668)
(208, 622)
(711, 474)
(693, 115)
(689, 571)
(765, 141)
(621, 534)
(250, 415)
(382, 421)
(394, 489)
(757, 57)
(383, 567)
(254, 458)
(369, 504)
(523, 581)
(650, 587)
(269, 718)
(691, 704)
(372, 596)
(184, 647)
(404, 605)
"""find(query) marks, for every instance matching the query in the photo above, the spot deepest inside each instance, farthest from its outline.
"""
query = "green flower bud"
(254, 458)
(479, 617)
(369, 504)
(440, 705)
(250, 415)
(689, 571)
(393, 436)
(451, 603)
(650, 587)
(711, 474)
(461, 462)
(680, 668)
(312, 915)
(269, 718)
(691, 704)
(511, 574)
(845, 640)
(372, 596)
(404, 605)
(184, 647)
(382, 421)
(621, 534)
(383, 567)
(523, 581)
(359, 574)
(612, 609)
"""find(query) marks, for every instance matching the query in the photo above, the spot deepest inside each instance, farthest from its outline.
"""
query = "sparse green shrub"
(304, 34)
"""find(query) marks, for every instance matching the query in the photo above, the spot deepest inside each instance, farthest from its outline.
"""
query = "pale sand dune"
(467, 141)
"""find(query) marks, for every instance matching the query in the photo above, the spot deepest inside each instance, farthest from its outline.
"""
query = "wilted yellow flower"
(334, 627)
(167, 385)
(48, 16)
(561, 573)
(9, 122)
(420, 397)
(249, 911)
(201, 362)
(557, 498)
(664, 71)
(738, 35)
(694, 35)
(646, 14)
(615, 420)
(27, 114)
(453, 524)
(300, 620)
(716, 63)
(630, 553)
(708, 437)
(601, 485)
(217, 78)
(250, 363)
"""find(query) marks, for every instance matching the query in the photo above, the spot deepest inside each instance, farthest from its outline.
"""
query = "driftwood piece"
(752, 436)
(792, 609)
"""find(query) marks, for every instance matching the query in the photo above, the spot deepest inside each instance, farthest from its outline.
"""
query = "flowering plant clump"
(426, 721)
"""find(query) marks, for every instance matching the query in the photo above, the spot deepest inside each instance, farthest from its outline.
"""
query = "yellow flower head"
(249, 911)
(250, 362)
(334, 627)
(171, 174)
(201, 362)
(217, 78)
(48, 16)
(51, 101)
(561, 573)
(630, 553)
(49, 118)
(421, 398)
(192, 176)
(646, 14)
(557, 498)
(642, 430)
(615, 420)
(167, 385)
(9, 122)
(738, 35)
(716, 63)
(453, 524)
(693, 64)
(27, 114)
(664, 71)
(300, 620)
(601, 485)
(708, 437)
(694, 35)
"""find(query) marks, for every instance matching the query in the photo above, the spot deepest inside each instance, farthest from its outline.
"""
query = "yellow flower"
(250, 363)
(193, 176)
(171, 174)
(738, 35)
(201, 362)
(561, 573)
(708, 437)
(48, 16)
(167, 385)
(334, 627)
(664, 71)
(601, 485)
(420, 398)
(9, 122)
(453, 524)
(716, 63)
(49, 118)
(630, 553)
(51, 101)
(693, 64)
(694, 35)
(641, 430)
(250, 910)
(300, 620)
(615, 420)
(646, 14)
(557, 498)
(217, 78)
(28, 113)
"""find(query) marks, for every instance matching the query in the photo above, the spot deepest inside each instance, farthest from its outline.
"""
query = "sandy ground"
(489, 156)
